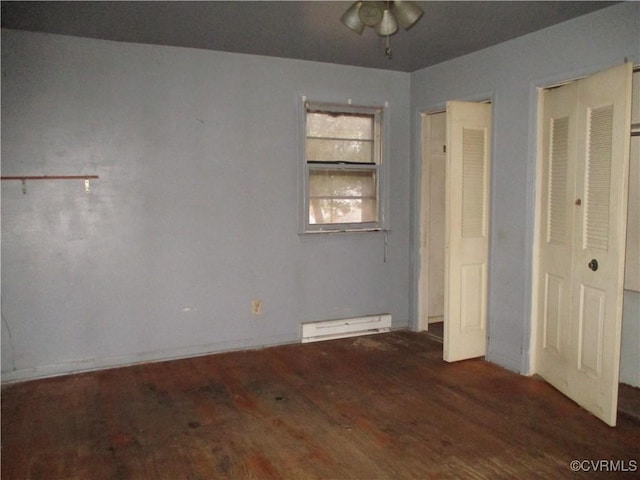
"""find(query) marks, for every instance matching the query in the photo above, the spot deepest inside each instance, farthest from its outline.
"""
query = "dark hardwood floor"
(628, 396)
(378, 407)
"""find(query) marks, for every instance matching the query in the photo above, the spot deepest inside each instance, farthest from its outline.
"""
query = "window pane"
(338, 125)
(342, 183)
(339, 150)
(342, 196)
(325, 211)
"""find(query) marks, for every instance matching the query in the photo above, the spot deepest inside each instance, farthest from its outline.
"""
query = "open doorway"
(454, 228)
(433, 188)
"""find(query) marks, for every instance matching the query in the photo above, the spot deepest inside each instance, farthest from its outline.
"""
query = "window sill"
(346, 230)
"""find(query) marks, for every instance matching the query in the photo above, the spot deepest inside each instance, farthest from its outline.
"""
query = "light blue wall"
(196, 209)
(195, 212)
(510, 73)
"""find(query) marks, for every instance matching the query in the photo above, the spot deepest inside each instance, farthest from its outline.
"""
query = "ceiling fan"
(383, 16)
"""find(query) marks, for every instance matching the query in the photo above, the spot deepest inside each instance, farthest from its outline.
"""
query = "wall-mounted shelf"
(24, 178)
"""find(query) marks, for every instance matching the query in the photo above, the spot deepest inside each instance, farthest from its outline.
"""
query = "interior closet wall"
(630, 348)
(436, 234)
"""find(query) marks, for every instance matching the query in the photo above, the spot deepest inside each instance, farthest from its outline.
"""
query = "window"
(343, 174)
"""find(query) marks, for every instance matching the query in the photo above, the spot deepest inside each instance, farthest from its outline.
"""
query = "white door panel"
(556, 233)
(580, 277)
(466, 227)
(603, 122)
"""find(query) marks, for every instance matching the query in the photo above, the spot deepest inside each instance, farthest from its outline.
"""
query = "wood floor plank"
(378, 407)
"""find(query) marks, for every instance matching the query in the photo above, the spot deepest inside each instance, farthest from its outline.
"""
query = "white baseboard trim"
(72, 367)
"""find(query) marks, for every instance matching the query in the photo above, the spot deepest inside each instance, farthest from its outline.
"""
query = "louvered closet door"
(582, 239)
(466, 227)
(604, 121)
(556, 234)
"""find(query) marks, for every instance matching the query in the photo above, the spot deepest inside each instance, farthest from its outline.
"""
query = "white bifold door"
(466, 229)
(581, 235)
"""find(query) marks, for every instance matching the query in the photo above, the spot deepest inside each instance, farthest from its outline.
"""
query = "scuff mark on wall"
(6, 326)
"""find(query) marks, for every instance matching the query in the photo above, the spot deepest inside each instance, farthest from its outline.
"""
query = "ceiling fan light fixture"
(371, 13)
(384, 16)
(407, 13)
(351, 18)
(388, 25)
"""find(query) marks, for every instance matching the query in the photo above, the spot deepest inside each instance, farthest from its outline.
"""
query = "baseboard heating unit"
(346, 327)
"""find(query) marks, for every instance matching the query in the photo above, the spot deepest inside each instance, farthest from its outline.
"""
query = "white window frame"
(379, 167)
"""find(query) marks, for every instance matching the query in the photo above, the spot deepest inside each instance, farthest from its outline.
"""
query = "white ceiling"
(305, 30)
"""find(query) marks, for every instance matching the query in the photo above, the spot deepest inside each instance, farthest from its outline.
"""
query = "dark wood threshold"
(436, 331)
